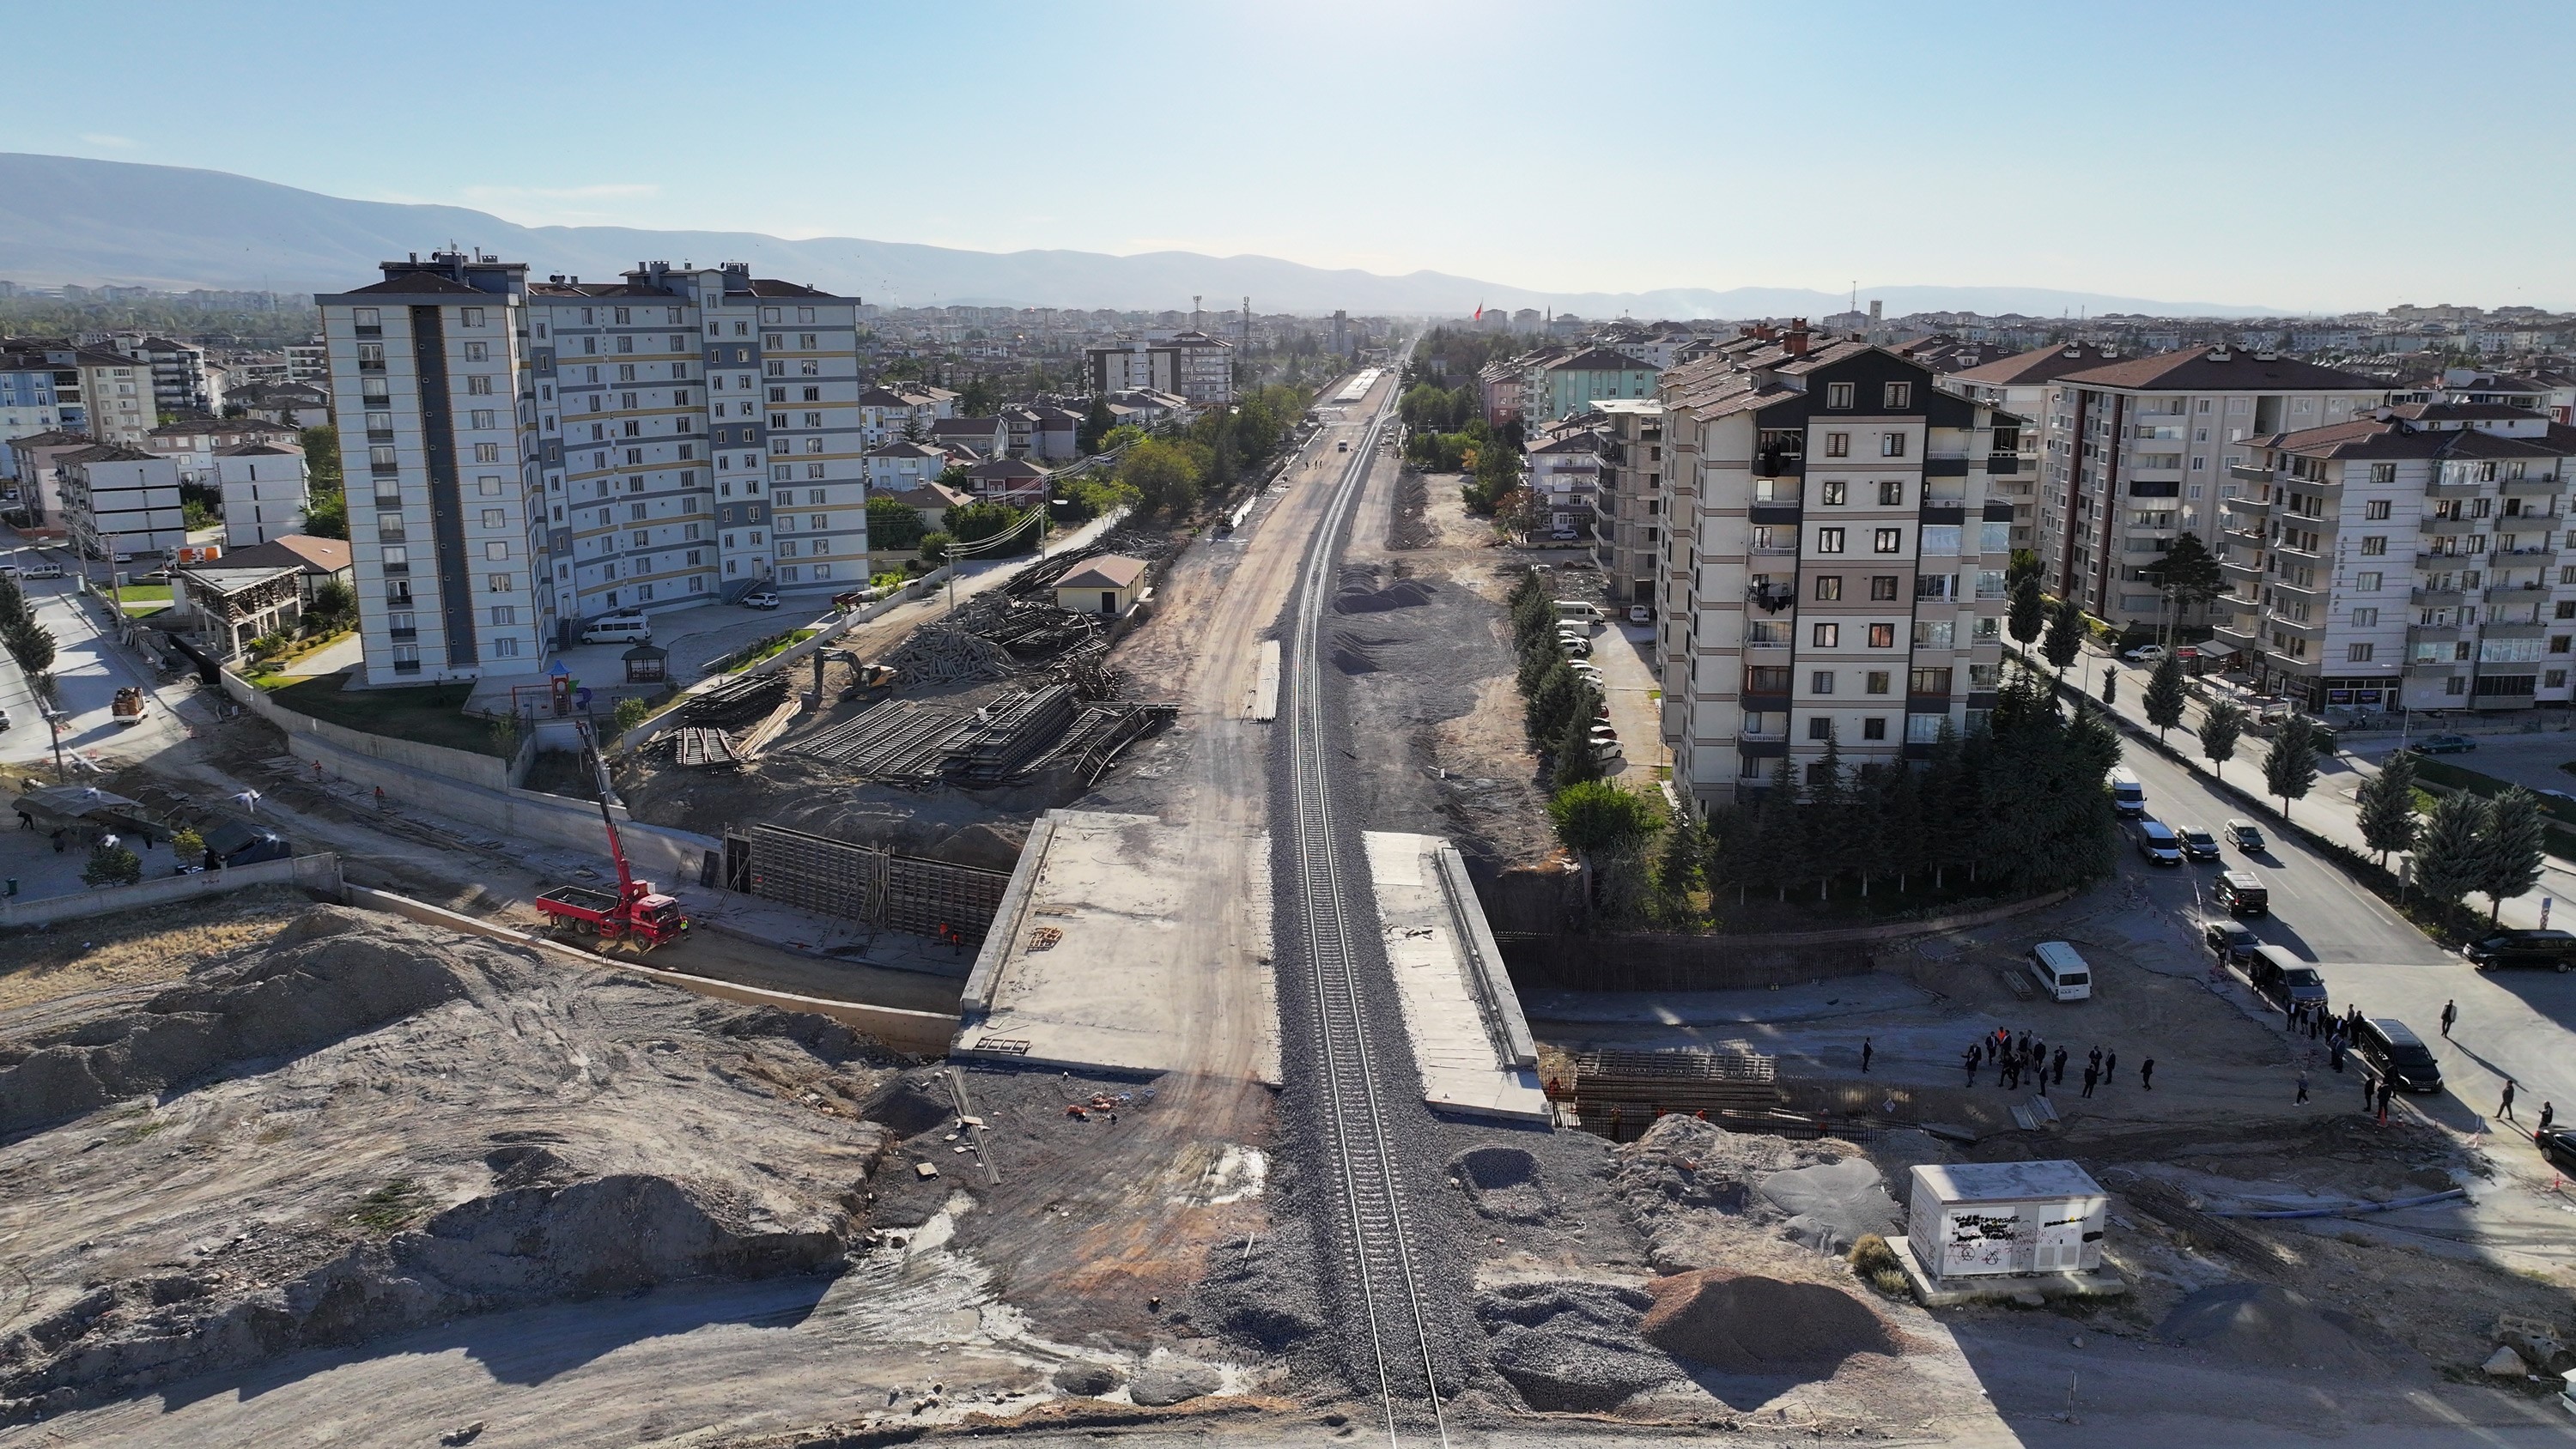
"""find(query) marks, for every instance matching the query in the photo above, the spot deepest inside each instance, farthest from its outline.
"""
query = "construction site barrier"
(317, 873)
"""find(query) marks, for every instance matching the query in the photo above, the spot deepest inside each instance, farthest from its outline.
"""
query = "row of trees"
(28, 642)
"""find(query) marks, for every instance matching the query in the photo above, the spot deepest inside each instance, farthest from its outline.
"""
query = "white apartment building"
(119, 501)
(267, 489)
(1833, 568)
(2411, 557)
(2020, 386)
(2135, 452)
(1628, 504)
(894, 410)
(544, 453)
(1191, 365)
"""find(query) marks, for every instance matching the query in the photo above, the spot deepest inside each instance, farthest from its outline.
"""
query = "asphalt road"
(2513, 1022)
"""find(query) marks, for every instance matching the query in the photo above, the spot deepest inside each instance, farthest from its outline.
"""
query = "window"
(1829, 587)
(505, 614)
(479, 419)
(1891, 493)
(2374, 544)
(1892, 540)
(1874, 728)
(478, 352)
(487, 452)
(1882, 636)
(1935, 633)
(365, 317)
(1891, 445)
(1820, 682)
(1900, 395)
(488, 486)
(1827, 636)
(1829, 540)
(1767, 679)
(2383, 473)
(2366, 582)
(498, 583)
(1773, 632)
(2375, 508)
(1937, 538)
(1876, 681)
(1924, 729)
(496, 550)
(1928, 681)
(1819, 727)
(1837, 445)
(473, 317)
(1835, 493)
(1882, 588)
(479, 384)
(2365, 618)
(1838, 396)
(495, 518)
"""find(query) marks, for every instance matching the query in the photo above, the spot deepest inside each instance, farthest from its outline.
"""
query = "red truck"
(636, 912)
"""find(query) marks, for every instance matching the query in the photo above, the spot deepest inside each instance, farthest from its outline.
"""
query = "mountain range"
(69, 219)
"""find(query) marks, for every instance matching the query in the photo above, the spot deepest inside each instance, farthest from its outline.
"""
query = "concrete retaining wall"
(489, 771)
(1648, 962)
(317, 873)
(922, 1033)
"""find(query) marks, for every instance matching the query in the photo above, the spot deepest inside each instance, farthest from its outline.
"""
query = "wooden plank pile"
(695, 747)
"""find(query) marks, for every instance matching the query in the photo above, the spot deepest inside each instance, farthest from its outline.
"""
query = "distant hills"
(67, 219)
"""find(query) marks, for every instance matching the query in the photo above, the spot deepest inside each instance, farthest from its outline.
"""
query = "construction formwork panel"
(923, 895)
(811, 873)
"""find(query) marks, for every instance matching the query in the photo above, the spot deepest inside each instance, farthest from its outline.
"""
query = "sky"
(2299, 156)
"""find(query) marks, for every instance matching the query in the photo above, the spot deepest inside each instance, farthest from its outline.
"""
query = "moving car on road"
(2061, 973)
(2239, 893)
(2197, 843)
(41, 571)
(2443, 745)
(2127, 795)
(2158, 843)
(2555, 949)
(2145, 654)
(2243, 835)
(2231, 943)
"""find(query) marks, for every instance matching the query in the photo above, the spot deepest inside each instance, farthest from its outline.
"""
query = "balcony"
(2281, 585)
(2540, 557)
(380, 435)
(402, 635)
(2256, 509)
(2248, 473)
(2240, 634)
(2435, 633)
(2532, 487)
(2436, 598)
(2453, 525)
(1946, 467)
(391, 535)
(390, 502)
(2439, 489)
(2433, 668)
(2513, 631)
(2001, 465)
(2516, 593)
(2242, 570)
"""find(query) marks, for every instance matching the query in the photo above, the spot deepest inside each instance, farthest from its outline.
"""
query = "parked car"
(2443, 745)
(2197, 843)
(1563, 535)
(2283, 979)
(2555, 949)
(2394, 1052)
(763, 597)
(2230, 942)
(2158, 843)
(1641, 613)
(2145, 654)
(1576, 645)
(2243, 835)
(2238, 893)
(42, 571)
(4, 721)
(2558, 1145)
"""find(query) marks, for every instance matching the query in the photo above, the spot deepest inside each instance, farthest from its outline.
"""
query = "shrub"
(112, 865)
(629, 714)
(1877, 1265)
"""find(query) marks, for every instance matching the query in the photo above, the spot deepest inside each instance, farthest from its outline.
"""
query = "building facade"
(266, 492)
(2410, 558)
(1628, 517)
(1554, 388)
(1833, 569)
(1191, 365)
(2018, 385)
(121, 502)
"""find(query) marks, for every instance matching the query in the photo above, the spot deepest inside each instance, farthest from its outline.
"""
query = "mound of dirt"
(1831, 1204)
(1571, 1346)
(1751, 1325)
(1503, 1183)
(387, 1125)
(914, 1106)
(1693, 1188)
(1356, 653)
(1166, 1380)
(2256, 1323)
(1402, 594)
(1266, 1300)
(320, 979)
(1087, 1380)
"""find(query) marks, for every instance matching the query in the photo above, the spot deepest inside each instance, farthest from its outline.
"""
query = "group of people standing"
(2027, 1060)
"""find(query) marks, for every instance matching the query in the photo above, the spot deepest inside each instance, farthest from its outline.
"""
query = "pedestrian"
(2303, 1086)
(2095, 1060)
(2387, 1085)
(2147, 1074)
(26, 821)
(2369, 1088)
(2334, 1055)
(1971, 1061)
(2548, 1114)
(2025, 1041)
(2041, 1069)
(2110, 1066)
(2316, 1024)
(2450, 1013)
(1865, 1054)
(2059, 1062)
(58, 842)
(2092, 1074)
(2504, 1108)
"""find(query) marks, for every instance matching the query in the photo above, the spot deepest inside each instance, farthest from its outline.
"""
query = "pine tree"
(1829, 818)
(2386, 802)
(2165, 695)
(1901, 821)
(2448, 861)
(2510, 849)
(2065, 637)
(1682, 869)
(2110, 687)
(2027, 613)
(1780, 833)
(2220, 729)
(2291, 766)
(1576, 759)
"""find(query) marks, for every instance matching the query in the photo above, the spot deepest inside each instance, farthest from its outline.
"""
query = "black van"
(2395, 1052)
(2284, 980)
(2239, 894)
(2524, 948)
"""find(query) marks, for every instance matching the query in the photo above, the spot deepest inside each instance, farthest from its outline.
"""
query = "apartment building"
(2136, 451)
(2018, 385)
(27, 403)
(1562, 470)
(900, 409)
(91, 390)
(546, 452)
(1627, 523)
(266, 488)
(120, 502)
(2409, 557)
(1552, 388)
(1833, 568)
(1191, 365)
(193, 442)
(180, 383)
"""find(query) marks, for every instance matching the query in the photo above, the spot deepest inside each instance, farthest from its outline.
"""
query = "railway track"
(1373, 1241)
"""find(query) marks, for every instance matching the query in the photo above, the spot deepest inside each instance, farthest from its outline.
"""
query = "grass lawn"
(432, 714)
(140, 599)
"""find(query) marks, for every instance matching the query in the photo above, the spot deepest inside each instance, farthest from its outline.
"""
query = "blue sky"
(2305, 156)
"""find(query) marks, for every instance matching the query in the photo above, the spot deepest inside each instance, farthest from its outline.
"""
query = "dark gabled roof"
(258, 450)
(904, 448)
(297, 550)
(2222, 369)
(1008, 468)
(1577, 442)
(766, 287)
(1602, 359)
(980, 427)
(2040, 364)
(1831, 353)
(52, 438)
(420, 284)
(2390, 438)
(109, 453)
(2450, 412)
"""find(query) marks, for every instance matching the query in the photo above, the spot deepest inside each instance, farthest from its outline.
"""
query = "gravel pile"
(1504, 1183)
(1752, 1325)
(1570, 1346)
(2256, 1323)
(1267, 1299)
(1687, 1184)
(1356, 597)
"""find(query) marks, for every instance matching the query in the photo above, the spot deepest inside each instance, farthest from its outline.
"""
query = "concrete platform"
(1097, 958)
(2030, 1288)
(1469, 1039)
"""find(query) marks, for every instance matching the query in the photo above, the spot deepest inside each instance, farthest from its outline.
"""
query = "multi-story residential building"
(1042, 430)
(288, 404)
(121, 501)
(988, 437)
(179, 383)
(543, 453)
(1192, 365)
(1554, 388)
(1833, 569)
(2018, 385)
(1563, 473)
(27, 401)
(1628, 517)
(308, 362)
(90, 390)
(902, 464)
(267, 489)
(901, 409)
(36, 464)
(2136, 452)
(193, 442)
(2410, 557)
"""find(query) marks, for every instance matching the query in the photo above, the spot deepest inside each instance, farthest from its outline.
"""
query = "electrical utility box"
(1998, 1219)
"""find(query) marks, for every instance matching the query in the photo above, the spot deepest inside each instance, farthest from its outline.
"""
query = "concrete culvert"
(1752, 1325)
(1503, 1183)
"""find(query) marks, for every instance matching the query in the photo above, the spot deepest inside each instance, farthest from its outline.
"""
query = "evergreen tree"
(1682, 870)
(1554, 700)
(2291, 766)
(1901, 816)
(2042, 816)
(2220, 729)
(1576, 760)
(2065, 637)
(2024, 564)
(2110, 687)
(2188, 572)
(1829, 817)
(1780, 834)
(2448, 861)
(2165, 695)
(1949, 800)
(2386, 802)
(2027, 613)
(2510, 849)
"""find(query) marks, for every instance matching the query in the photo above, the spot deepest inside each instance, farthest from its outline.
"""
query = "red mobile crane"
(636, 913)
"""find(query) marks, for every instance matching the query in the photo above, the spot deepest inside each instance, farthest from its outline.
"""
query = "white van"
(1579, 611)
(2127, 795)
(619, 629)
(2060, 972)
